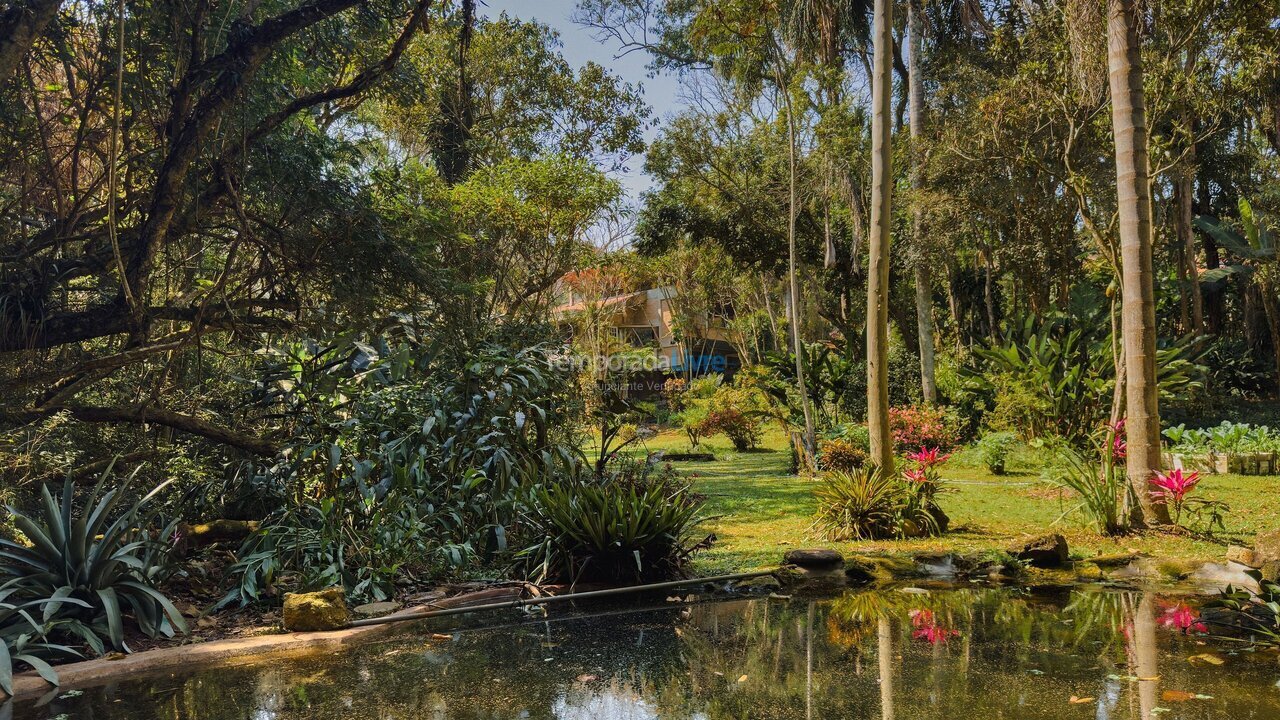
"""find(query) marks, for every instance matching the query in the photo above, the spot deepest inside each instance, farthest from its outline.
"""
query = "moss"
(323, 610)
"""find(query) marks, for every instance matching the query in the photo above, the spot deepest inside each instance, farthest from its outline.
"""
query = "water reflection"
(980, 653)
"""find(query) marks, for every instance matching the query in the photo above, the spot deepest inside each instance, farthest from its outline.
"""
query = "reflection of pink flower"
(1183, 618)
(916, 475)
(1174, 485)
(928, 629)
(928, 457)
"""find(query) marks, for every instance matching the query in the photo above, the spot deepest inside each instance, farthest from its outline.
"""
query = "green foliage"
(736, 413)
(994, 449)
(1100, 487)
(88, 568)
(407, 458)
(1226, 438)
(868, 504)
(838, 455)
(1054, 375)
(620, 529)
(703, 388)
(1257, 615)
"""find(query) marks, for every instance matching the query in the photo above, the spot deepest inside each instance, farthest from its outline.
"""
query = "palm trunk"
(1138, 307)
(881, 219)
(810, 439)
(924, 293)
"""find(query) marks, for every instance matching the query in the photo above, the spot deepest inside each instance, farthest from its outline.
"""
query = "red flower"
(928, 629)
(1174, 485)
(916, 475)
(928, 457)
(1183, 618)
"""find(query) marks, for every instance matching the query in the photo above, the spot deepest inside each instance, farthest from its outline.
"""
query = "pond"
(903, 653)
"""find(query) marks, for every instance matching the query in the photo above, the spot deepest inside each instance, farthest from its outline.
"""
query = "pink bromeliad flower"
(1174, 485)
(916, 475)
(928, 457)
(1183, 618)
(1119, 440)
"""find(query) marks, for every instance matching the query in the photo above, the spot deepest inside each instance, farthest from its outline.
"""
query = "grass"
(758, 511)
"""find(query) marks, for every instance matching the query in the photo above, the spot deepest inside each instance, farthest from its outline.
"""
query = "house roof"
(619, 301)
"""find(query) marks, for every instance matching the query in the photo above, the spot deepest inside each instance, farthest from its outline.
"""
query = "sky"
(580, 46)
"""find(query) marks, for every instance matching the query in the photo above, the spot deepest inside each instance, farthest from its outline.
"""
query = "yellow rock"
(323, 610)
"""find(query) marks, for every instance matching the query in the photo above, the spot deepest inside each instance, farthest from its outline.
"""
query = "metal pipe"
(546, 599)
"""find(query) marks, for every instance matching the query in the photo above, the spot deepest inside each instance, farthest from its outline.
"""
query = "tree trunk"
(1186, 235)
(924, 293)
(881, 221)
(1137, 314)
(810, 439)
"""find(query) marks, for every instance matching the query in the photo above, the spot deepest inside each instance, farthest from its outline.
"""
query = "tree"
(881, 222)
(920, 264)
(1138, 315)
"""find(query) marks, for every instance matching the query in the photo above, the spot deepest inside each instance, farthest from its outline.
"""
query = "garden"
(357, 342)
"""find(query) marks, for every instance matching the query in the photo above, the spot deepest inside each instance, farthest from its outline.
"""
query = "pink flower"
(1183, 618)
(916, 475)
(1119, 441)
(928, 457)
(1174, 485)
(928, 629)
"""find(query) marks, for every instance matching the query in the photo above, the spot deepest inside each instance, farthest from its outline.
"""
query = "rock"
(859, 571)
(1267, 546)
(376, 609)
(1271, 571)
(1117, 560)
(1047, 551)
(1244, 556)
(309, 612)
(762, 584)
(1088, 571)
(814, 559)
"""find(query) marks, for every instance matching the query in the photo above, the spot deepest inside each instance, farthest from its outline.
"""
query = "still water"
(904, 653)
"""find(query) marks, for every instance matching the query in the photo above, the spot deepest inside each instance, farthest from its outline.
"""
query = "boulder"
(763, 583)
(1244, 556)
(1046, 551)
(859, 571)
(814, 559)
(376, 609)
(310, 612)
(1267, 547)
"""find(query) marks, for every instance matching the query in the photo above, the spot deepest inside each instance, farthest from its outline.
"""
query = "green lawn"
(758, 511)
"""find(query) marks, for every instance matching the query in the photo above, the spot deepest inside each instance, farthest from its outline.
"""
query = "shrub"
(1101, 487)
(923, 426)
(693, 421)
(994, 449)
(868, 504)
(741, 429)
(88, 571)
(859, 505)
(673, 391)
(841, 456)
(611, 531)
(704, 387)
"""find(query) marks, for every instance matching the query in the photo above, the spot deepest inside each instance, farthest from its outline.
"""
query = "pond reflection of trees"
(974, 653)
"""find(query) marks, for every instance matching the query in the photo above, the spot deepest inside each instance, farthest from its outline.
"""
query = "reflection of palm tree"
(884, 653)
(1144, 655)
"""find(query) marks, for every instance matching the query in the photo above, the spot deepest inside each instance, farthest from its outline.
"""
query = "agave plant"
(88, 570)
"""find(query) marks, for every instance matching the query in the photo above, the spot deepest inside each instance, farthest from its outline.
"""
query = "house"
(647, 319)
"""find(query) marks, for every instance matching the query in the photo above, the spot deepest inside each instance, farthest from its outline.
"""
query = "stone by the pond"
(814, 558)
(1244, 556)
(376, 609)
(309, 612)
(859, 571)
(764, 583)
(1267, 546)
(1046, 551)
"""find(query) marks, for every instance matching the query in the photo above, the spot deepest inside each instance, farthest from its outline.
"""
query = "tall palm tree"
(923, 282)
(1138, 307)
(878, 248)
